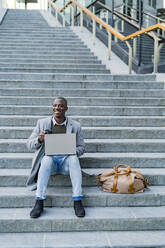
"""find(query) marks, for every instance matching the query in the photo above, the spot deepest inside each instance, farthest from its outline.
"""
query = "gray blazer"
(33, 144)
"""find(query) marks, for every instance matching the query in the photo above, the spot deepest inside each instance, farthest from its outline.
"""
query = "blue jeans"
(58, 164)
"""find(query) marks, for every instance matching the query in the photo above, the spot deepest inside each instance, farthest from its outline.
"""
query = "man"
(43, 166)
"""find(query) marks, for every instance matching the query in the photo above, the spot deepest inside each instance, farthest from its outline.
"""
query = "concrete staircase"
(123, 118)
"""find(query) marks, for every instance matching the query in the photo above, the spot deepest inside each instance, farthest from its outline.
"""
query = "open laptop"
(60, 144)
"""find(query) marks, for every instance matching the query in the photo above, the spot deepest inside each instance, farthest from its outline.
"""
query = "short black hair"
(62, 98)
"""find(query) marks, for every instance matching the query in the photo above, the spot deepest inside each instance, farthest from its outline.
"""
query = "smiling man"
(43, 166)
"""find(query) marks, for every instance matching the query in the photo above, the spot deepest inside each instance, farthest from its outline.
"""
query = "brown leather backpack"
(123, 180)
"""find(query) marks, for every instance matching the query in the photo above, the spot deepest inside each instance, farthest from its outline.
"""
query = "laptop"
(60, 144)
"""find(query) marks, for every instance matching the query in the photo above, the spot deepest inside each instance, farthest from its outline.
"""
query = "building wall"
(159, 4)
(20, 4)
(109, 3)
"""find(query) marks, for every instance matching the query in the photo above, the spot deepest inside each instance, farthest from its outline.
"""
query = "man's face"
(59, 108)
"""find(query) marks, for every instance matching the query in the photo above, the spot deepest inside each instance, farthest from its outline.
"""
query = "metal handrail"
(145, 13)
(111, 31)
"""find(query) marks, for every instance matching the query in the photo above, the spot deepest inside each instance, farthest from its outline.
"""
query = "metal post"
(72, 14)
(126, 7)
(87, 20)
(56, 14)
(63, 18)
(159, 48)
(14, 4)
(109, 44)
(123, 8)
(107, 13)
(147, 21)
(134, 47)
(100, 18)
(112, 14)
(156, 54)
(140, 38)
(130, 57)
(158, 30)
(116, 28)
(132, 13)
(50, 9)
(122, 26)
(94, 28)
(81, 19)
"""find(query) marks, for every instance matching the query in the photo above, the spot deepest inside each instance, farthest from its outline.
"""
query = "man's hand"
(41, 137)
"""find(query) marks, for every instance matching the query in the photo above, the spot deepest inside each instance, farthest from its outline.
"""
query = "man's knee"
(46, 161)
(73, 160)
(73, 163)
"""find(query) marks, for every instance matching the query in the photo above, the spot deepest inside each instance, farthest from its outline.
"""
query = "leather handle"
(114, 189)
(131, 188)
(127, 167)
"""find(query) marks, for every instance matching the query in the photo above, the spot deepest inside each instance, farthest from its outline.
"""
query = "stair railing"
(57, 11)
(111, 31)
(146, 14)
(128, 19)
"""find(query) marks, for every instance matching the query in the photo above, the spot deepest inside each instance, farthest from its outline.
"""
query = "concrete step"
(23, 17)
(28, 42)
(26, 30)
(39, 47)
(33, 24)
(15, 43)
(75, 76)
(27, 25)
(91, 160)
(99, 121)
(84, 110)
(49, 66)
(78, 91)
(46, 29)
(96, 145)
(46, 52)
(55, 70)
(34, 34)
(113, 88)
(22, 37)
(20, 197)
(79, 101)
(15, 23)
(38, 39)
(110, 94)
(50, 56)
(18, 177)
(94, 239)
(97, 219)
(32, 28)
(89, 60)
(94, 132)
(43, 49)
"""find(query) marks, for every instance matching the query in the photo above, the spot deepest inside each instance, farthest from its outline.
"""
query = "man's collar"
(55, 123)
